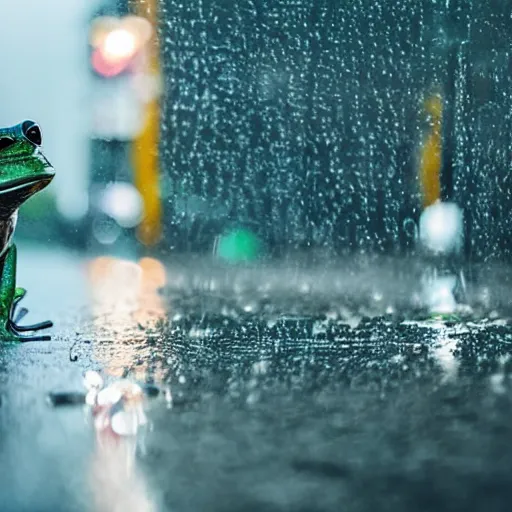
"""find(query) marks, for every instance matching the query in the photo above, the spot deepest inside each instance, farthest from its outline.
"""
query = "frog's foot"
(18, 314)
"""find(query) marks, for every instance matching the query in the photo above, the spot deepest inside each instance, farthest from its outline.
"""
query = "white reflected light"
(119, 44)
(123, 203)
(439, 294)
(444, 354)
(441, 228)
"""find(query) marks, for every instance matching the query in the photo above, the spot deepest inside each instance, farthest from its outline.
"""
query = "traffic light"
(118, 44)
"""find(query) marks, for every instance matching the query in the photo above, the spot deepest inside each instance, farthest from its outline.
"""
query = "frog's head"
(24, 169)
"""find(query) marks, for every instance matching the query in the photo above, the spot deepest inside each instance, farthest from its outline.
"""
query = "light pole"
(146, 145)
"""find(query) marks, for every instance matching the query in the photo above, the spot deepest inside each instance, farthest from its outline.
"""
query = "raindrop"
(410, 228)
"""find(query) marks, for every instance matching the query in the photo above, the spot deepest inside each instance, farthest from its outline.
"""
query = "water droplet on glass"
(410, 228)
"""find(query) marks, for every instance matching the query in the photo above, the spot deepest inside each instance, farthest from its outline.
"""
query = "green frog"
(24, 170)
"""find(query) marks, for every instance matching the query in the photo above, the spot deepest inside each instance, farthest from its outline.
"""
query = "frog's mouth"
(34, 183)
(15, 192)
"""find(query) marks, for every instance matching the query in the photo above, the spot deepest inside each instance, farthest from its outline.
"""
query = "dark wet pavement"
(271, 411)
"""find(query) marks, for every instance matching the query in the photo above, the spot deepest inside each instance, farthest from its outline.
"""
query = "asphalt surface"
(297, 390)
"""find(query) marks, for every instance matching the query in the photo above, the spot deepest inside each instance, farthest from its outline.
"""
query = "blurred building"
(303, 121)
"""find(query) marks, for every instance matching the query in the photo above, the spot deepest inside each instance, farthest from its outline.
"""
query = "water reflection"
(443, 352)
(125, 297)
(116, 482)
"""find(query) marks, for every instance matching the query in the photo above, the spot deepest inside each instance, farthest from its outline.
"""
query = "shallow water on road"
(271, 410)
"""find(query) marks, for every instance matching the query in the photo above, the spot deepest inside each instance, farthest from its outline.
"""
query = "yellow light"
(100, 27)
(140, 27)
(154, 275)
(125, 295)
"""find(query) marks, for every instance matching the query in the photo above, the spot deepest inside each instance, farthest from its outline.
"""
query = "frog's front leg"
(10, 297)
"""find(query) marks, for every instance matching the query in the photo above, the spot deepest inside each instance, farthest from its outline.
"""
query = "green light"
(238, 245)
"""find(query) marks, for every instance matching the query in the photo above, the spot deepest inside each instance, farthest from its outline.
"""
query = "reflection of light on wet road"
(498, 380)
(444, 354)
(114, 288)
(118, 413)
(443, 349)
(116, 482)
(153, 279)
(125, 298)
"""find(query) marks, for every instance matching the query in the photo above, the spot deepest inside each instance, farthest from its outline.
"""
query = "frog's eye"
(5, 142)
(32, 132)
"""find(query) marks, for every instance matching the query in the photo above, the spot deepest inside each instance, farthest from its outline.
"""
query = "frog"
(24, 171)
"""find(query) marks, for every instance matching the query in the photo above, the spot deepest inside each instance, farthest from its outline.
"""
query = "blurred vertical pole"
(145, 147)
(431, 151)
(438, 150)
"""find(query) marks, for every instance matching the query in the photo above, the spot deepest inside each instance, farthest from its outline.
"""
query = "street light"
(117, 42)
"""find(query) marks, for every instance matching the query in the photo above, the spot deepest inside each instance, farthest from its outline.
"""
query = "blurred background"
(260, 127)
(238, 131)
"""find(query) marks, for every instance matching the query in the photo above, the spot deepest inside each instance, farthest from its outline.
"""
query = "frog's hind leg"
(34, 327)
(18, 314)
(22, 338)
(14, 295)
(18, 330)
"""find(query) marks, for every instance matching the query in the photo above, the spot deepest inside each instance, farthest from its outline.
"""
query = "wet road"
(271, 411)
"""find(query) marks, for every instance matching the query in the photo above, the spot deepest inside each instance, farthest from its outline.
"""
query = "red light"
(108, 68)
(117, 42)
